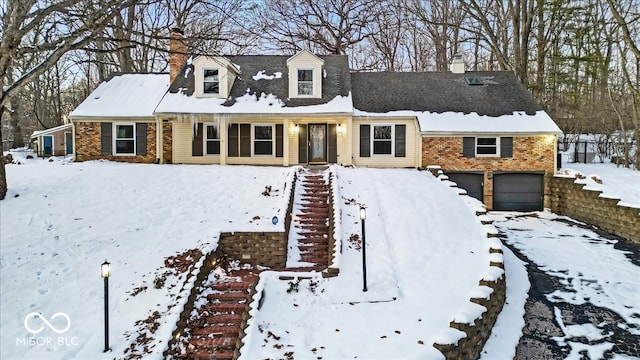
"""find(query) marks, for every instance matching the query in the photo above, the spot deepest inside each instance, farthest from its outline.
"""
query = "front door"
(47, 145)
(68, 142)
(317, 143)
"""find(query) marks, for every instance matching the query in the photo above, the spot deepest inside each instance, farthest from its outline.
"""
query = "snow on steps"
(471, 326)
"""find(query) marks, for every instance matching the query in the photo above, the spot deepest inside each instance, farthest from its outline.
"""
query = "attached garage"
(472, 182)
(518, 191)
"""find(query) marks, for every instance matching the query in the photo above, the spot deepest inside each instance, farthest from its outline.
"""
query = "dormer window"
(305, 82)
(210, 81)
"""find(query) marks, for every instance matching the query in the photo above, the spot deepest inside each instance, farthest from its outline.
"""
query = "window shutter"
(303, 145)
(141, 139)
(365, 140)
(333, 143)
(196, 145)
(245, 140)
(401, 142)
(232, 149)
(506, 147)
(469, 147)
(279, 140)
(106, 138)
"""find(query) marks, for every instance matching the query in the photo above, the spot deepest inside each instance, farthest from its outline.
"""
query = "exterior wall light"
(296, 129)
(340, 129)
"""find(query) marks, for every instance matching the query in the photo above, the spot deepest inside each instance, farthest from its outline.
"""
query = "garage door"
(518, 191)
(472, 182)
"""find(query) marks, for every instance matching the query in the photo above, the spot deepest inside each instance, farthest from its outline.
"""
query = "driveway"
(584, 299)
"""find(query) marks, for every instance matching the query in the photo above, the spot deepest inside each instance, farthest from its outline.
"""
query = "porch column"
(223, 139)
(348, 141)
(285, 142)
(159, 140)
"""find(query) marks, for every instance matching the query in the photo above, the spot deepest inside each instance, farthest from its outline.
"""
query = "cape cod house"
(482, 128)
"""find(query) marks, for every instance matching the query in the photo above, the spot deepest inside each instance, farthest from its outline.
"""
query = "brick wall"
(533, 153)
(570, 199)
(88, 140)
(256, 248)
(167, 141)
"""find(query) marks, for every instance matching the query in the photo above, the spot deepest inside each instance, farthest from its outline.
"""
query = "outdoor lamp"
(296, 129)
(105, 272)
(363, 217)
(340, 129)
(105, 269)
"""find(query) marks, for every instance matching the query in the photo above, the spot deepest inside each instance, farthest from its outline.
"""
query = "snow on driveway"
(589, 271)
(426, 252)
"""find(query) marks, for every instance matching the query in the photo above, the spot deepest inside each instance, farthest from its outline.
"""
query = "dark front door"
(47, 145)
(317, 143)
(68, 142)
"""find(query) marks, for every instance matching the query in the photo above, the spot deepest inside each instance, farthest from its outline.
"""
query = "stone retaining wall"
(477, 334)
(571, 199)
(256, 248)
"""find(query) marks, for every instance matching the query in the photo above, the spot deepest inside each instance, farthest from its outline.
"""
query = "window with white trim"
(487, 146)
(382, 139)
(210, 81)
(211, 139)
(124, 139)
(263, 142)
(305, 82)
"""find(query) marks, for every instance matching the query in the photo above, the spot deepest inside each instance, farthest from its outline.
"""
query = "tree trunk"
(3, 175)
(14, 120)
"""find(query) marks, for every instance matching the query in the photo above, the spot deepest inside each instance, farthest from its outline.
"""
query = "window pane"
(211, 85)
(487, 141)
(213, 147)
(263, 147)
(211, 75)
(212, 132)
(124, 131)
(262, 132)
(486, 150)
(382, 147)
(305, 75)
(124, 146)
(382, 132)
(305, 88)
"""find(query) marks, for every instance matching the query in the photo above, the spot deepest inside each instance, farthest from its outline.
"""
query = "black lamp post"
(363, 217)
(105, 272)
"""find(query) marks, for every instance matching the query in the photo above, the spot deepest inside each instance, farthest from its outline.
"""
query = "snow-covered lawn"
(616, 181)
(426, 252)
(61, 220)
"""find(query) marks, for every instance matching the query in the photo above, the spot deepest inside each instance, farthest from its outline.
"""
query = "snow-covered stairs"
(215, 324)
(309, 234)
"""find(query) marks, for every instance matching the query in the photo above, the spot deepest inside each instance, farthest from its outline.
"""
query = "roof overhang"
(51, 131)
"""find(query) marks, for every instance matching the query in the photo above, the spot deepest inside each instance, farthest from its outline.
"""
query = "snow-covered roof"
(124, 95)
(458, 122)
(51, 130)
(262, 88)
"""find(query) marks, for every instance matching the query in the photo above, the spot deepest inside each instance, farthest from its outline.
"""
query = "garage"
(472, 182)
(518, 191)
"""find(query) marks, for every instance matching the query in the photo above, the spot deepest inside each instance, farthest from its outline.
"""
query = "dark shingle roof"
(336, 79)
(500, 94)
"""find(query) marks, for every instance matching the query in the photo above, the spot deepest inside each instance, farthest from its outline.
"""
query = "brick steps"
(311, 219)
(213, 332)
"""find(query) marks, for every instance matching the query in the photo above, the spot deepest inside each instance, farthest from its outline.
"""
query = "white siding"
(182, 135)
(305, 60)
(413, 143)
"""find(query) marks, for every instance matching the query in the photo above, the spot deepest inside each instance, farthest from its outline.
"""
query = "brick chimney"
(177, 53)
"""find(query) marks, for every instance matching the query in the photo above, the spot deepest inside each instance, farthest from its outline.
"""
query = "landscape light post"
(105, 272)
(363, 217)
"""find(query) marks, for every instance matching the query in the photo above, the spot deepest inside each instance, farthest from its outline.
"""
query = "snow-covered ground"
(61, 220)
(426, 252)
(616, 181)
(589, 269)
